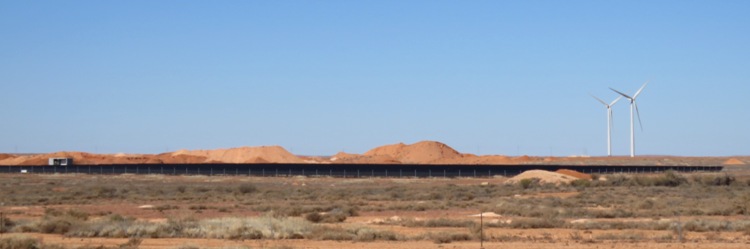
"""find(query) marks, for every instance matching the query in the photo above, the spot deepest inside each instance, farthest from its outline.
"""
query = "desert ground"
(537, 209)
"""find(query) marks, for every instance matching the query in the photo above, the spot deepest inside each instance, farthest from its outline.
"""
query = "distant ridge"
(423, 152)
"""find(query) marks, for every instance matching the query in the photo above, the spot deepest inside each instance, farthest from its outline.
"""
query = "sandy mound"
(543, 176)
(6, 156)
(346, 158)
(733, 161)
(43, 159)
(170, 158)
(343, 156)
(79, 158)
(262, 154)
(418, 153)
(492, 159)
(574, 173)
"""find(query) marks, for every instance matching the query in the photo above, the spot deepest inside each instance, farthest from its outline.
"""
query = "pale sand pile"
(486, 214)
(574, 173)
(543, 176)
(262, 154)
(421, 152)
(733, 161)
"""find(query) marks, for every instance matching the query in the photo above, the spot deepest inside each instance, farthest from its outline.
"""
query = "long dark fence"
(341, 170)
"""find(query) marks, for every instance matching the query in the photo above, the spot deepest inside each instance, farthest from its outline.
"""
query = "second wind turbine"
(633, 104)
(609, 122)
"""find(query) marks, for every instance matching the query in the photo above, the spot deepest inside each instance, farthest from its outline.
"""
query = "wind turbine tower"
(633, 104)
(609, 122)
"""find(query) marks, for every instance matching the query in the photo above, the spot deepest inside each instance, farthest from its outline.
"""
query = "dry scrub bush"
(54, 221)
(580, 183)
(621, 225)
(298, 209)
(223, 228)
(533, 223)
(529, 183)
(331, 217)
(447, 237)
(19, 242)
(332, 233)
(353, 234)
(533, 207)
(369, 234)
(440, 222)
(627, 236)
(714, 179)
(246, 188)
(24, 242)
(7, 225)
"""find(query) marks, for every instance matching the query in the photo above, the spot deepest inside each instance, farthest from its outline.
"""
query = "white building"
(60, 161)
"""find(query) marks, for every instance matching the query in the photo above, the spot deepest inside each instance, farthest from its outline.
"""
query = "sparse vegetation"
(617, 206)
(24, 242)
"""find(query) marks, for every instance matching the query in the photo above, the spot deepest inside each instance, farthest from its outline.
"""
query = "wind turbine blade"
(613, 102)
(641, 89)
(602, 101)
(639, 115)
(625, 95)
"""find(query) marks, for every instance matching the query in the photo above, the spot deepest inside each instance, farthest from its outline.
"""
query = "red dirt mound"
(170, 158)
(6, 156)
(574, 173)
(419, 153)
(342, 156)
(78, 158)
(490, 159)
(733, 161)
(262, 154)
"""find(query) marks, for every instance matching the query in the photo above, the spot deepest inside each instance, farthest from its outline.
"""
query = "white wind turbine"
(609, 122)
(633, 105)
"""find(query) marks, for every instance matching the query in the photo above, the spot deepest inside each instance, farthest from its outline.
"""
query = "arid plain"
(537, 209)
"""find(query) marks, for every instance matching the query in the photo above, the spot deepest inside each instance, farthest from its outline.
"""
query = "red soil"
(733, 161)
(574, 173)
(422, 152)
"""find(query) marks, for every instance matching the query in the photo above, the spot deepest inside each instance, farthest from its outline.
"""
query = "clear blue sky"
(318, 77)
